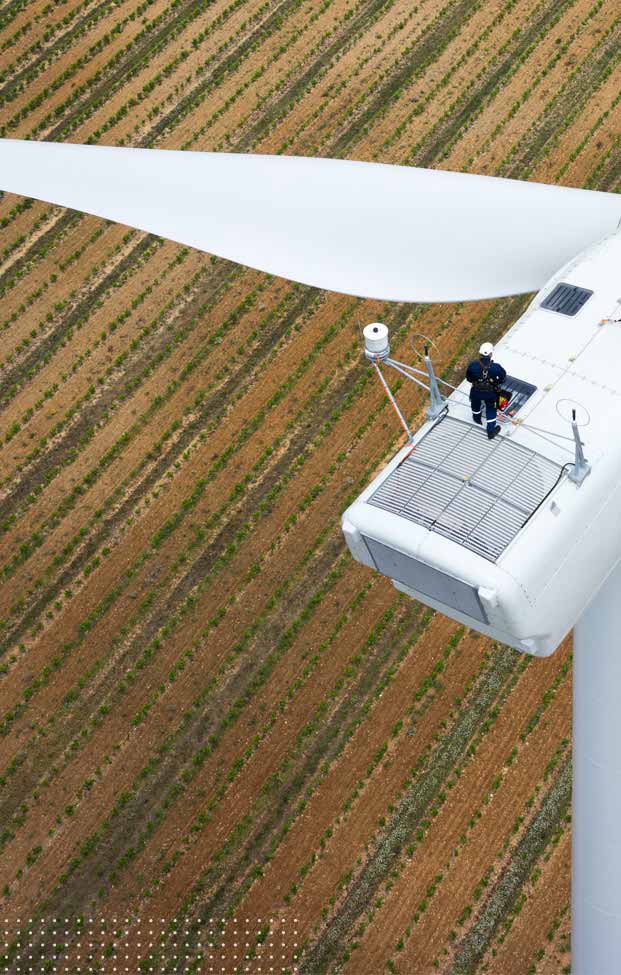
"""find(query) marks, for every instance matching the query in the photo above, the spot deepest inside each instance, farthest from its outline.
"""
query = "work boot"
(477, 419)
(494, 432)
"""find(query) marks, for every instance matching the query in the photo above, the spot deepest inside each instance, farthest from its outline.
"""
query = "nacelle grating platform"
(475, 491)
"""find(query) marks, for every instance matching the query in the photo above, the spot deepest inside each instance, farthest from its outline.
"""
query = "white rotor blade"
(378, 231)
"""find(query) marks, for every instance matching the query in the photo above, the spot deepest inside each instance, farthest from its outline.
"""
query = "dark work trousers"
(477, 400)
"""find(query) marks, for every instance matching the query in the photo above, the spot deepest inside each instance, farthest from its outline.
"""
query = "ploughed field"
(209, 712)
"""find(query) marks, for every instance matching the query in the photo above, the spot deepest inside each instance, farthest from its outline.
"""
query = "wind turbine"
(520, 537)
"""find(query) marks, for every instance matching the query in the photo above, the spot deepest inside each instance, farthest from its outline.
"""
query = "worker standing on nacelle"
(486, 377)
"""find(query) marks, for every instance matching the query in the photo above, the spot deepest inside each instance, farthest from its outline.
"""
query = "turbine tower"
(518, 537)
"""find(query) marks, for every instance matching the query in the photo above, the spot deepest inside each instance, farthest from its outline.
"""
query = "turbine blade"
(395, 233)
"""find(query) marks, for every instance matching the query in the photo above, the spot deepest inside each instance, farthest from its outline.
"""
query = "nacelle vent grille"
(566, 299)
(475, 491)
(426, 580)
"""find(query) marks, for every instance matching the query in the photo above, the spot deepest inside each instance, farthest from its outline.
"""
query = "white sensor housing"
(376, 345)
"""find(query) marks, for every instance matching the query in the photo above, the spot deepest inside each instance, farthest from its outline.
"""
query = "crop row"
(215, 63)
(545, 828)
(503, 920)
(61, 79)
(236, 493)
(190, 601)
(286, 638)
(425, 763)
(304, 364)
(170, 313)
(488, 790)
(562, 945)
(561, 110)
(416, 797)
(50, 32)
(561, 43)
(39, 354)
(11, 11)
(483, 90)
(197, 430)
(18, 81)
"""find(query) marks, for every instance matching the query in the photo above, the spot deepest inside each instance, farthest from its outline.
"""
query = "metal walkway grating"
(475, 491)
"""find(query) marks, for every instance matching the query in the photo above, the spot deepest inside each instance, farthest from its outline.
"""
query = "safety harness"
(485, 384)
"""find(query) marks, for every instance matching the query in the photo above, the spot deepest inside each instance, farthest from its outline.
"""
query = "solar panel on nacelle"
(475, 491)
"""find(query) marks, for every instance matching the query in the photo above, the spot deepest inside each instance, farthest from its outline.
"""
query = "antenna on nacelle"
(568, 411)
(581, 468)
(377, 349)
(437, 400)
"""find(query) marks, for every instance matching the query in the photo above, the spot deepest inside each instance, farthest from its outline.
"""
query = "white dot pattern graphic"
(183, 946)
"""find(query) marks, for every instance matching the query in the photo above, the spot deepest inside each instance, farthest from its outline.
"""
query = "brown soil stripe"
(29, 73)
(72, 77)
(404, 821)
(549, 894)
(510, 115)
(534, 841)
(564, 106)
(246, 454)
(219, 827)
(491, 24)
(333, 807)
(457, 121)
(212, 411)
(558, 958)
(10, 11)
(471, 794)
(482, 846)
(69, 219)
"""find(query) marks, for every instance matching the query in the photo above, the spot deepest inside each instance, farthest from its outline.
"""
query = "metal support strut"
(394, 402)
(377, 349)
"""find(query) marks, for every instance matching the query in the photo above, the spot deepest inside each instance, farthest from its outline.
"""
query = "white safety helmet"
(487, 350)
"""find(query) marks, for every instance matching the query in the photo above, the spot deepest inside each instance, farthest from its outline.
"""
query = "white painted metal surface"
(374, 230)
(553, 566)
(596, 814)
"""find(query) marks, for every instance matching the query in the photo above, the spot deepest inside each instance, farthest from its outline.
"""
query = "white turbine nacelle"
(496, 534)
